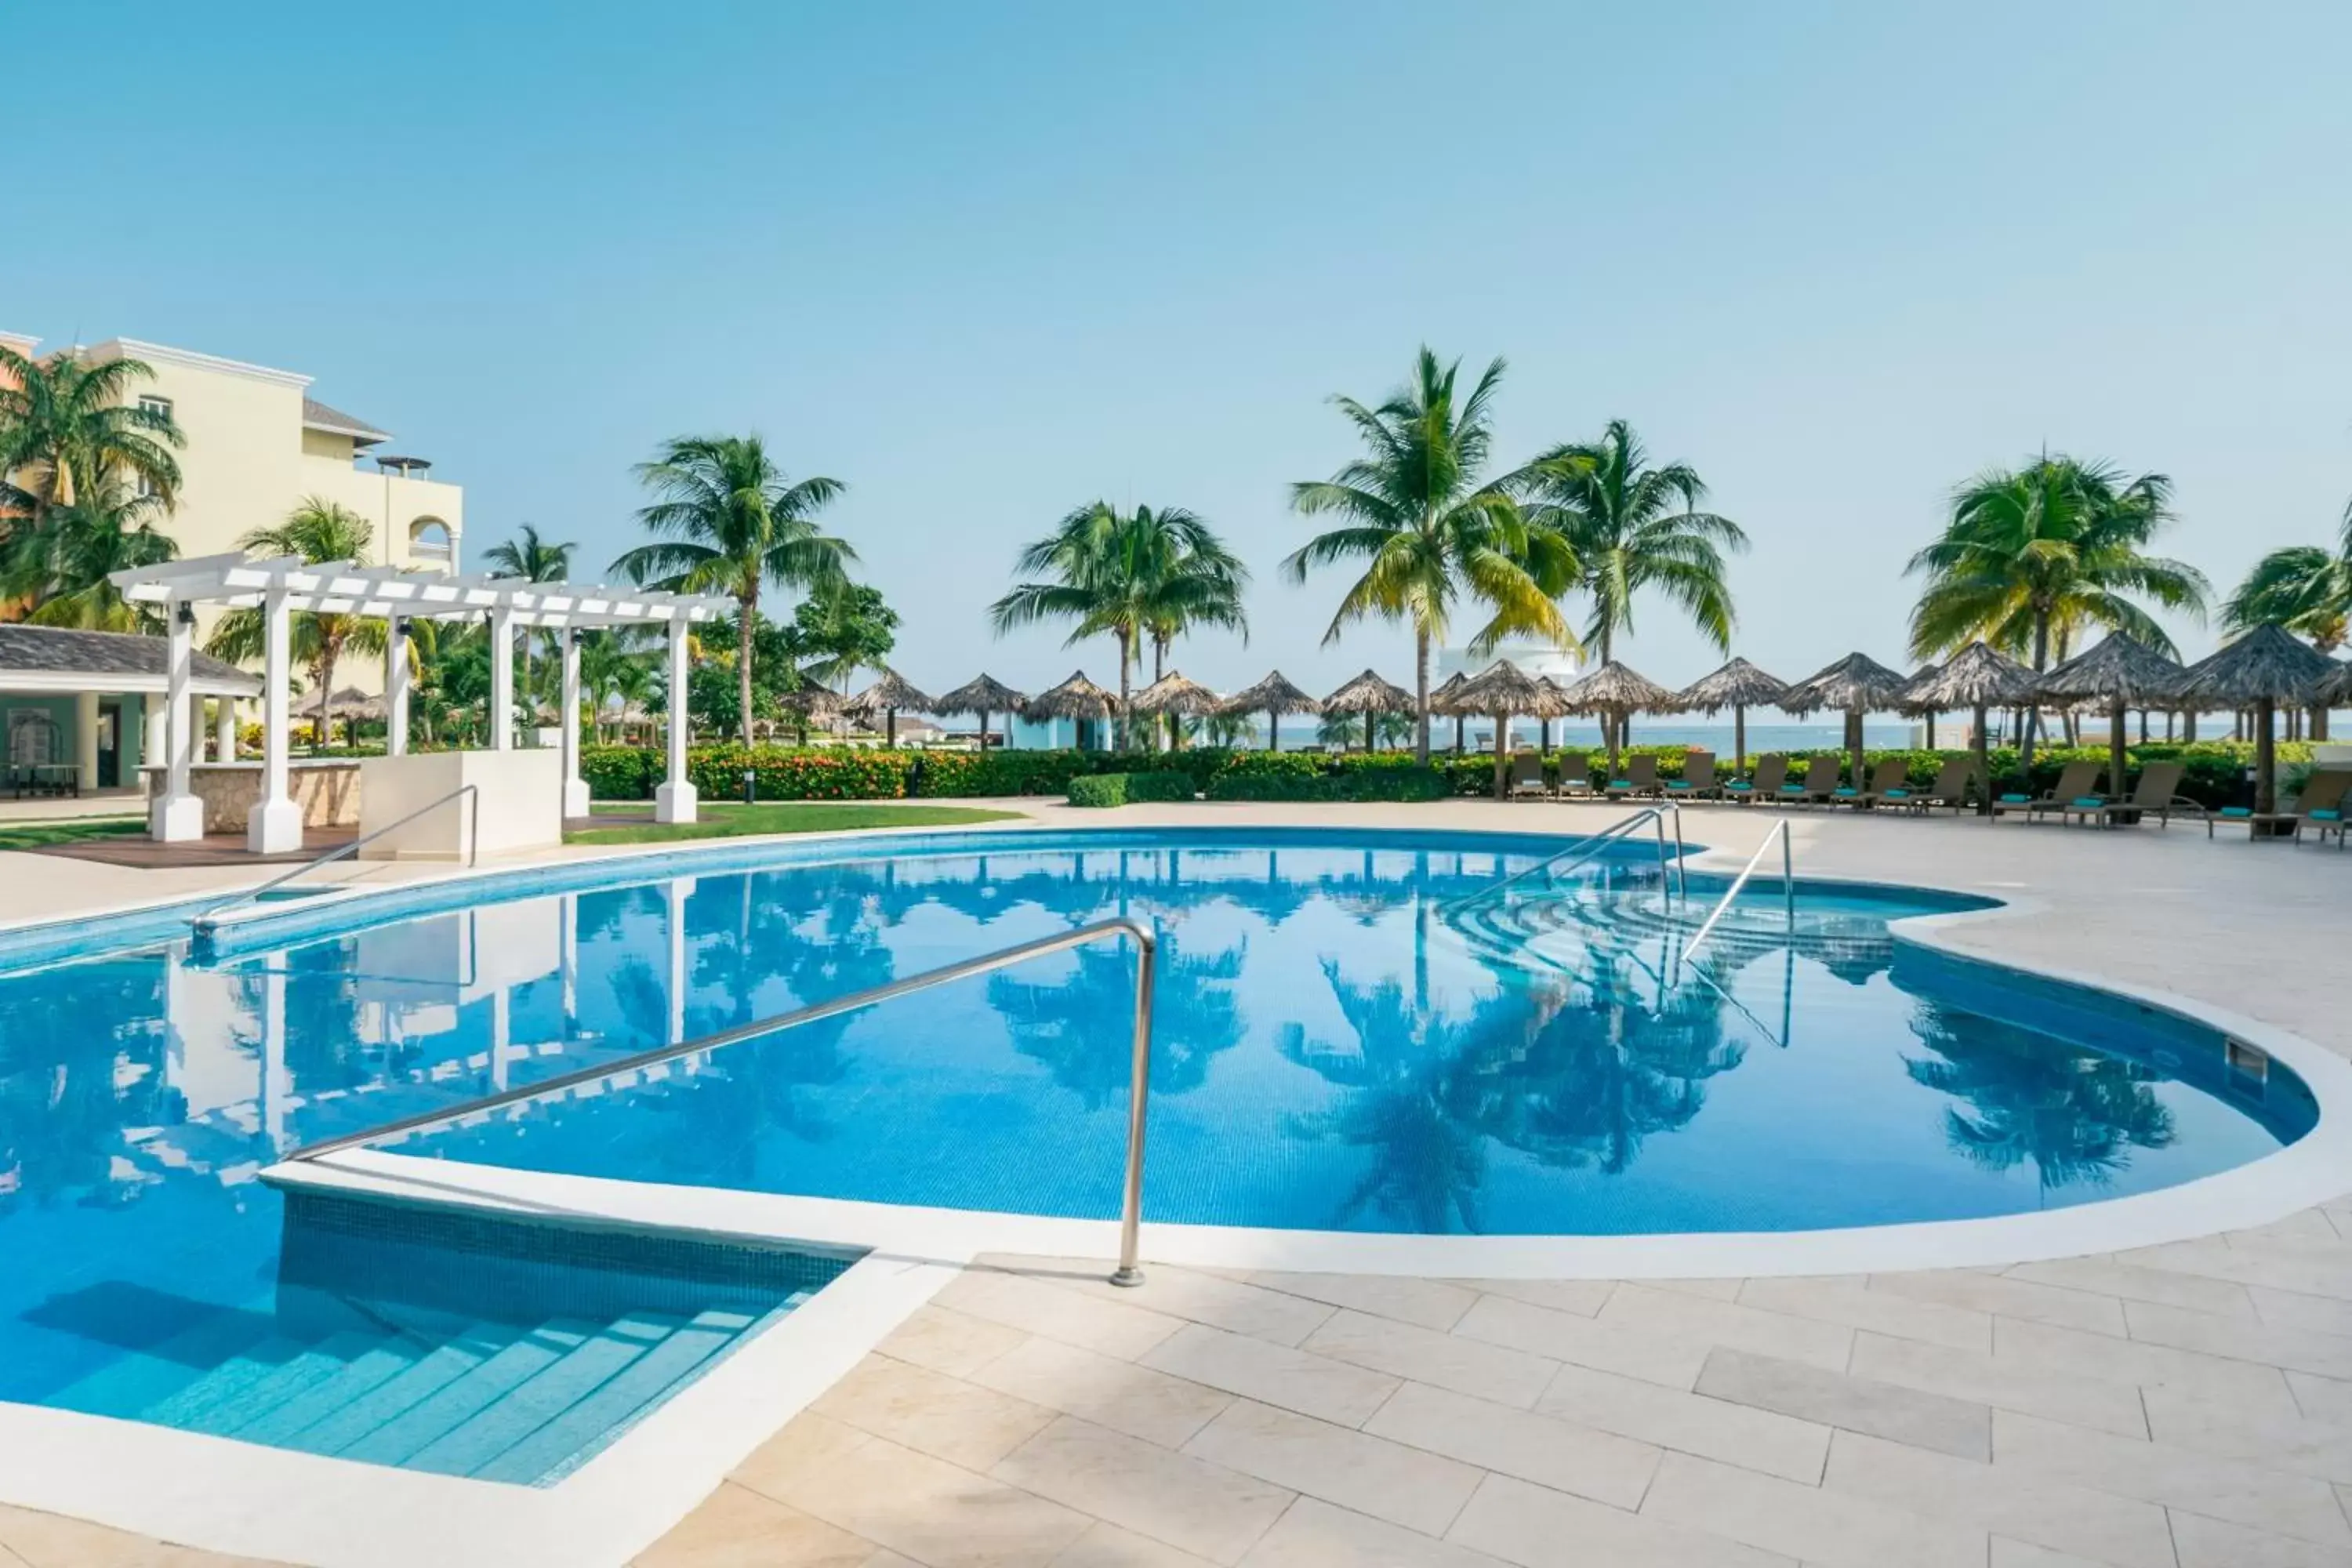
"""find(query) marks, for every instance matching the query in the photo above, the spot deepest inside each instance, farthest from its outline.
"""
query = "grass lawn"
(721, 820)
(72, 830)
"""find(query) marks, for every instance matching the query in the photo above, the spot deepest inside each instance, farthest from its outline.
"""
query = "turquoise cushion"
(1621, 783)
(2237, 811)
(2089, 800)
(2325, 816)
(1845, 789)
(2014, 799)
(1898, 795)
(1739, 785)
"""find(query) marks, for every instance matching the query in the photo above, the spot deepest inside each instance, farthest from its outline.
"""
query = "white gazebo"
(279, 586)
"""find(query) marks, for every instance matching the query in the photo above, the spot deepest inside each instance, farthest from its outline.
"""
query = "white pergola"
(278, 586)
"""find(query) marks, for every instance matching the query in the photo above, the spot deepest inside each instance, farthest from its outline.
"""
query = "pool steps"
(498, 1401)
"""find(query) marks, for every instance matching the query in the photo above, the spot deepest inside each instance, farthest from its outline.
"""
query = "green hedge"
(2215, 776)
(1121, 789)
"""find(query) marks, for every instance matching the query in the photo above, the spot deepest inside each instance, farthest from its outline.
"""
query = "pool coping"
(228, 1496)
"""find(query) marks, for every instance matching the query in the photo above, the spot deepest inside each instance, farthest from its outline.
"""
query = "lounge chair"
(2076, 787)
(1889, 785)
(1697, 782)
(2327, 795)
(2157, 792)
(1576, 775)
(1770, 772)
(1819, 784)
(1527, 775)
(1641, 777)
(1950, 788)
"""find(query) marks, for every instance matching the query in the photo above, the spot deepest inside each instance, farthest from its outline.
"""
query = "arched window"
(428, 540)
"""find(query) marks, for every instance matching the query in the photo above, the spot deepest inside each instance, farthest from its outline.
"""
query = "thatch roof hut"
(1738, 686)
(1441, 702)
(885, 698)
(1505, 691)
(2335, 689)
(810, 705)
(1853, 686)
(350, 702)
(983, 695)
(1976, 678)
(1180, 696)
(1368, 694)
(1617, 692)
(2266, 666)
(1273, 696)
(1076, 699)
(2118, 673)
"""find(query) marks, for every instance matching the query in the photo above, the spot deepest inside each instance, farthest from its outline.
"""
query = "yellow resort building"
(258, 444)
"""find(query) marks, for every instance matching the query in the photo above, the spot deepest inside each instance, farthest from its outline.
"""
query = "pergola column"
(395, 688)
(674, 800)
(575, 788)
(274, 826)
(502, 678)
(176, 816)
(224, 729)
(86, 719)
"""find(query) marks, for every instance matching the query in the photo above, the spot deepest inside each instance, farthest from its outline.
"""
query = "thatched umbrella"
(1180, 696)
(348, 704)
(1504, 691)
(884, 698)
(1274, 696)
(1441, 701)
(1075, 698)
(982, 695)
(1617, 693)
(2261, 670)
(1738, 686)
(1905, 701)
(1368, 694)
(2119, 672)
(1855, 685)
(809, 704)
(2334, 691)
(1977, 677)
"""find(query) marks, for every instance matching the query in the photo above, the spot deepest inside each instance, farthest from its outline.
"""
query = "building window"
(160, 407)
(428, 540)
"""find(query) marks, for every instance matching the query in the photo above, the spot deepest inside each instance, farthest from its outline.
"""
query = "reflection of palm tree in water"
(1080, 1029)
(2075, 1114)
(1575, 1083)
(67, 1090)
(1427, 1164)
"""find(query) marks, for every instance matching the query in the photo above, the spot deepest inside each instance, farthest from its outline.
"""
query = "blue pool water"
(1338, 1046)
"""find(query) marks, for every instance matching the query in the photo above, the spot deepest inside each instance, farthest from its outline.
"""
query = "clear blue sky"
(986, 262)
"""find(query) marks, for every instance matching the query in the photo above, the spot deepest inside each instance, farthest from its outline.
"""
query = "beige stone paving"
(2188, 1405)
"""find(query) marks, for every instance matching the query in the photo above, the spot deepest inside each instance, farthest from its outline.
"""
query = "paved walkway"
(2180, 1406)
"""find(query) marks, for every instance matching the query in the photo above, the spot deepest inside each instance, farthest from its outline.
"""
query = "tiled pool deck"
(2187, 1405)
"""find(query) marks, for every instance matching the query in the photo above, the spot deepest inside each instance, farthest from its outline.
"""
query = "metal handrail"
(206, 919)
(1787, 886)
(1131, 1218)
(1587, 847)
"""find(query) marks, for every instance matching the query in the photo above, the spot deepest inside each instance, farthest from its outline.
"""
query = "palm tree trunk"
(2033, 710)
(1420, 698)
(1983, 746)
(2265, 756)
(748, 610)
(326, 690)
(2115, 752)
(2319, 723)
(1126, 717)
(1739, 739)
(1502, 754)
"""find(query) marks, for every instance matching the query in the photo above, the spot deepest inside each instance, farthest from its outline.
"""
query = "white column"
(274, 1090)
(674, 893)
(575, 788)
(86, 738)
(502, 680)
(674, 797)
(224, 729)
(154, 724)
(276, 824)
(395, 688)
(567, 961)
(176, 816)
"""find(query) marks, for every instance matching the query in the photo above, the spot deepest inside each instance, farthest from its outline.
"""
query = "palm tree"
(2047, 549)
(533, 560)
(316, 530)
(61, 563)
(1632, 527)
(611, 665)
(2303, 588)
(1428, 532)
(1130, 575)
(730, 520)
(66, 424)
